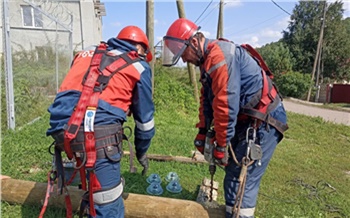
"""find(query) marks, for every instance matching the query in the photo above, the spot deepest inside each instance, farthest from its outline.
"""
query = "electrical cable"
(208, 14)
(280, 7)
(204, 10)
(242, 30)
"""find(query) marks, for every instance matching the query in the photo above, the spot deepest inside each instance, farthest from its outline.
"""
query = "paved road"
(310, 110)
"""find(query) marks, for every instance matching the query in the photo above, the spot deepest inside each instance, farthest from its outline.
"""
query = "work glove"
(143, 160)
(199, 141)
(221, 155)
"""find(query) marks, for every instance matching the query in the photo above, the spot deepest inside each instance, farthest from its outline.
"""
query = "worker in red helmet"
(125, 91)
(238, 102)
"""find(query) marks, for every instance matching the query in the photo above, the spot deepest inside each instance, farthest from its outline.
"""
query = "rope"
(246, 162)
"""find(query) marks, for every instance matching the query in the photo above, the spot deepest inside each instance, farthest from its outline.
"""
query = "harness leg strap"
(60, 171)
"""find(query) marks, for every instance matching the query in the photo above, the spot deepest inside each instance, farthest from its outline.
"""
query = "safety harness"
(265, 100)
(256, 111)
(88, 143)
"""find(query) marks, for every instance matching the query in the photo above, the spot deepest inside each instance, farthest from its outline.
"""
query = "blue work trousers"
(268, 138)
(108, 174)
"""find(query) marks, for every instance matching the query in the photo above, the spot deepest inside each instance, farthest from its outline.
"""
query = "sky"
(245, 21)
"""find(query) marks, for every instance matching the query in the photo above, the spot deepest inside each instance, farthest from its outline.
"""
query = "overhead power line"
(206, 16)
(204, 11)
(280, 7)
(248, 28)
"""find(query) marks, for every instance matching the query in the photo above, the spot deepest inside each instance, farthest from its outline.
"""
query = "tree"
(346, 23)
(303, 33)
(277, 57)
(336, 46)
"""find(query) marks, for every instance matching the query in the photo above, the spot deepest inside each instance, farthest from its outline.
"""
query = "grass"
(307, 177)
(338, 106)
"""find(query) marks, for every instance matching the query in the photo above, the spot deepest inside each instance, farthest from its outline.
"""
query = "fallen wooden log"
(136, 205)
(198, 158)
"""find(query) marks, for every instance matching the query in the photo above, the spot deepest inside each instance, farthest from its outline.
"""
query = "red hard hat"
(135, 34)
(182, 29)
(176, 40)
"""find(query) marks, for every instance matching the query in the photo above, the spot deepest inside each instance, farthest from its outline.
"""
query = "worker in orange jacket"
(128, 91)
(239, 101)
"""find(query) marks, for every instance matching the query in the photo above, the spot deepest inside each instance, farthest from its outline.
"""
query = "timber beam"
(136, 205)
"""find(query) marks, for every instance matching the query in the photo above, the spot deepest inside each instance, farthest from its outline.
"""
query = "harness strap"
(49, 190)
(83, 110)
(59, 171)
(255, 54)
(104, 135)
(79, 112)
(69, 209)
(281, 127)
(72, 177)
(269, 96)
(94, 83)
(84, 205)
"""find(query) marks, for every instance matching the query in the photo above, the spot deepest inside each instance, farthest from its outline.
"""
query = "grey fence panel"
(41, 47)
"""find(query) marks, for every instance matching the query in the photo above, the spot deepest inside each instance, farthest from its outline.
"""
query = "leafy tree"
(336, 45)
(303, 34)
(346, 23)
(277, 57)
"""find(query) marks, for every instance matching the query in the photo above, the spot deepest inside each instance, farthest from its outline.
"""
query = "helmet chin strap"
(142, 56)
(198, 51)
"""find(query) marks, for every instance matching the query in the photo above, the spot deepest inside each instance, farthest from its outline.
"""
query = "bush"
(293, 84)
(173, 89)
(34, 82)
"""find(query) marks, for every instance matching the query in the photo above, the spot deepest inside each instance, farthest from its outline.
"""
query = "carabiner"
(247, 134)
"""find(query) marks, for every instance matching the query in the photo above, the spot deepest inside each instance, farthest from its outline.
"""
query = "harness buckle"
(100, 87)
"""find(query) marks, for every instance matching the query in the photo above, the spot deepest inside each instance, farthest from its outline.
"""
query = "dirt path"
(310, 109)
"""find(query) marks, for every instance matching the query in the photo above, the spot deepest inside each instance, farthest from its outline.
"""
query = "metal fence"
(37, 51)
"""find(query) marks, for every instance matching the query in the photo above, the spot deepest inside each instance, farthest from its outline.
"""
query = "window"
(31, 17)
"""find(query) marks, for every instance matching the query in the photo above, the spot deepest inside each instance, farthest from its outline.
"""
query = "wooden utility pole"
(150, 34)
(220, 31)
(318, 75)
(319, 47)
(190, 67)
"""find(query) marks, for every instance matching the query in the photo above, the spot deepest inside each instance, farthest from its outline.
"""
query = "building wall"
(86, 27)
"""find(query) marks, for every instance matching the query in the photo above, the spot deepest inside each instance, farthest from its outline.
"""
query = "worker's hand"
(221, 155)
(199, 141)
(143, 160)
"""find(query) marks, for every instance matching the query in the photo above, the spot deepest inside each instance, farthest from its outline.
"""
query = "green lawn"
(307, 177)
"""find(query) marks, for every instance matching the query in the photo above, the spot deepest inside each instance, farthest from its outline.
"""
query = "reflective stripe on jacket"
(230, 77)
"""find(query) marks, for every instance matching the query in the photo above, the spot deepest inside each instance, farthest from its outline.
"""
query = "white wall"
(86, 28)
